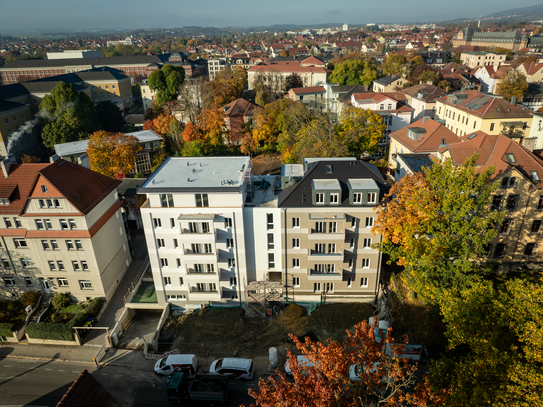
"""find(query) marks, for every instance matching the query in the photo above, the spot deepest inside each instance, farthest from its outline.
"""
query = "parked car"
(356, 372)
(235, 368)
(177, 363)
(303, 361)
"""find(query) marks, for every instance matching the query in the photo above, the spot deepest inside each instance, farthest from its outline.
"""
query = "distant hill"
(529, 13)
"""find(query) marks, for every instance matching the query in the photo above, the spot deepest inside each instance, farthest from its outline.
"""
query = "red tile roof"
(85, 391)
(20, 181)
(265, 67)
(435, 134)
(312, 61)
(239, 107)
(309, 89)
(429, 92)
(532, 68)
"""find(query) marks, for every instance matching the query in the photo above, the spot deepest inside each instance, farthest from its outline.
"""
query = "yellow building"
(469, 111)
(472, 36)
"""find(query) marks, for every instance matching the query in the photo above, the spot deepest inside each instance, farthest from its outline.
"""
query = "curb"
(47, 359)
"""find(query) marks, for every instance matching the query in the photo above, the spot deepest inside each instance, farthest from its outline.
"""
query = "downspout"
(520, 230)
(159, 265)
(236, 256)
(285, 248)
(378, 269)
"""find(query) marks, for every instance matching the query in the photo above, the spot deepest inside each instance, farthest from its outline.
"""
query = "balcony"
(339, 236)
(194, 276)
(190, 252)
(311, 273)
(199, 295)
(316, 256)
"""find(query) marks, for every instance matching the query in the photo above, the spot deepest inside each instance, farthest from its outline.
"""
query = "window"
(85, 285)
(18, 223)
(320, 247)
(231, 262)
(157, 222)
(227, 222)
(295, 222)
(202, 201)
(20, 243)
(351, 263)
(172, 223)
(369, 222)
(271, 261)
(167, 281)
(78, 245)
(506, 225)
(72, 224)
(349, 282)
(166, 200)
(351, 244)
(353, 223)
(207, 248)
(329, 287)
(48, 224)
(536, 226)
(332, 227)
(9, 281)
(511, 203)
(6, 264)
(500, 250)
(233, 281)
(75, 266)
(62, 282)
(69, 245)
(319, 198)
(487, 250)
(41, 202)
(382, 106)
(295, 243)
(229, 243)
(44, 188)
(270, 221)
(372, 197)
(56, 203)
(63, 224)
(535, 175)
(357, 198)
(164, 262)
(84, 265)
(365, 263)
(496, 202)
(160, 243)
(367, 243)
(510, 158)
(295, 263)
(60, 265)
(320, 227)
(364, 282)
(26, 263)
(334, 198)
(295, 281)
(181, 282)
(178, 262)
(45, 244)
(54, 245)
(316, 287)
(7, 221)
(540, 202)
(529, 249)
(271, 244)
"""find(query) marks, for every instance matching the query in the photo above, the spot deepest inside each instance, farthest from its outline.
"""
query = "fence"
(156, 356)
(137, 280)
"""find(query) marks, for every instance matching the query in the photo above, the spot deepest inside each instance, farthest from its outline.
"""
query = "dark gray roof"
(415, 162)
(299, 195)
(47, 86)
(387, 80)
(534, 89)
(7, 105)
(12, 91)
(345, 97)
(128, 186)
(103, 61)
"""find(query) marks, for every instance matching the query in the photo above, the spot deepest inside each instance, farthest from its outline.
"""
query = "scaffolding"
(258, 294)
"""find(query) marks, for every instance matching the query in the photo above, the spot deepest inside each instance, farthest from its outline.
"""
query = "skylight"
(535, 175)
(510, 158)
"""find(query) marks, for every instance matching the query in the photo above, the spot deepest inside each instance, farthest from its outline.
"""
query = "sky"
(126, 15)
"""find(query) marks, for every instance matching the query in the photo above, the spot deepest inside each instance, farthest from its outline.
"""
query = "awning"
(513, 124)
(197, 216)
(326, 216)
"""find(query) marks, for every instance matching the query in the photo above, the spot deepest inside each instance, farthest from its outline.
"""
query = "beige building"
(473, 36)
(390, 83)
(62, 230)
(215, 66)
(476, 59)
(467, 112)
(532, 72)
(275, 73)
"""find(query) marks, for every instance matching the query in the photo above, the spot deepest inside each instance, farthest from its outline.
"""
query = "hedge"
(64, 332)
(5, 329)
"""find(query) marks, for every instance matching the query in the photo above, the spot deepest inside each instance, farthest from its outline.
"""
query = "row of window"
(65, 224)
(194, 227)
(196, 248)
(499, 250)
(506, 227)
(334, 198)
(168, 281)
(365, 264)
(329, 287)
(76, 265)
(70, 245)
(49, 203)
(164, 263)
(25, 263)
(201, 200)
(320, 247)
(15, 118)
(511, 202)
(62, 282)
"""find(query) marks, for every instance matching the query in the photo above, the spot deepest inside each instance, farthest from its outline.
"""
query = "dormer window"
(372, 197)
(334, 199)
(510, 158)
(44, 188)
(319, 198)
(535, 175)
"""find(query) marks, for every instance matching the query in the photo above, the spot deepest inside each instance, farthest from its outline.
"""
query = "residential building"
(467, 112)
(326, 221)
(62, 231)
(488, 78)
(148, 95)
(311, 74)
(473, 36)
(313, 96)
(436, 59)
(75, 53)
(238, 113)
(422, 98)
(126, 41)
(533, 72)
(390, 83)
(519, 174)
(215, 66)
(476, 59)
(17, 135)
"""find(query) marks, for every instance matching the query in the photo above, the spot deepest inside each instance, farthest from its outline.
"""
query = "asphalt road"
(38, 383)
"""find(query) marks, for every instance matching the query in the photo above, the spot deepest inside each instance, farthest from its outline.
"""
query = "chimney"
(514, 100)
(366, 87)
(430, 83)
(425, 119)
(6, 165)
(447, 89)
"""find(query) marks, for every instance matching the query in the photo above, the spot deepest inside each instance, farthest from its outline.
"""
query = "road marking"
(7, 366)
(105, 374)
(47, 369)
(62, 370)
(75, 371)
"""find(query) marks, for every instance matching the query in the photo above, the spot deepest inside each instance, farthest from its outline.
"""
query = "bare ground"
(267, 164)
(222, 332)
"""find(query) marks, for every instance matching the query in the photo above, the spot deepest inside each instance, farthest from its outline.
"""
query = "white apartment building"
(61, 230)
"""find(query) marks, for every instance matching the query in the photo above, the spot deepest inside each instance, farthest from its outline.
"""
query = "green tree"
(437, 224)
(166, 82)
(109, 117)
(66, 115)
(293, 81)
(513, 85)
(502, 327)
(354, 71)
(415, 30)
(394, 64)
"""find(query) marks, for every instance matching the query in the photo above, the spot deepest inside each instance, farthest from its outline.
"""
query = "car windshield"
(163, 362)
(219, 364)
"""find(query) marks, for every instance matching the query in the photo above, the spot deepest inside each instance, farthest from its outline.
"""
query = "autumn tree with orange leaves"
(381, 381)
(438, 223)
(112, 154)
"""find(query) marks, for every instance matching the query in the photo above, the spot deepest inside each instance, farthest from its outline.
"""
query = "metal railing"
(136, 281)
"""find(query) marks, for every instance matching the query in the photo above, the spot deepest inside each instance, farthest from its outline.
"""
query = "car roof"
(236, 362)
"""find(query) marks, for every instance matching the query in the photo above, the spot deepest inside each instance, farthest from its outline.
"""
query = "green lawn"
(146, 293)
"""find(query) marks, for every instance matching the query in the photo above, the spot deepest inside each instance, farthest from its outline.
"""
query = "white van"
(176, 363)
(303, 362)
(235, 368)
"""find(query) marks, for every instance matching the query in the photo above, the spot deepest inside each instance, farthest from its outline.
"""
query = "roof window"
(511, 158)
(329, 169)
(535, 175)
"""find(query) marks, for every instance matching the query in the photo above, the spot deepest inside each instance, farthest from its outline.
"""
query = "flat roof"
(79, 147)
(362, 184)
(198, 173)
(319, 184)
(292, 170)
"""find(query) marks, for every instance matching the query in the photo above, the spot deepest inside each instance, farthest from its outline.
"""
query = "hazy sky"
(124, 14)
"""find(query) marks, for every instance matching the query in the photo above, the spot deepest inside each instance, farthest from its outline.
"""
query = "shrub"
(5, 329)
(94, 306)
(29, 298)
(60, 300)
(58, 332)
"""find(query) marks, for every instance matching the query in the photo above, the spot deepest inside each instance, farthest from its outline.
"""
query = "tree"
(112, 154)
(503, 329)
(512, 85)
(394, 64)
(293, 81)
(109, 117)
(382, 381)
(60, 300)
(437, 224)
(166, 82)
(284, 53)
(193, 95)
(354, 71)
(66, 115)
(415, 30)
(228, 86)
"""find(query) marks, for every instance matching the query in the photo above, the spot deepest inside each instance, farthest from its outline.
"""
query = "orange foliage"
(212, 125)
(191, 132)
(161, 125)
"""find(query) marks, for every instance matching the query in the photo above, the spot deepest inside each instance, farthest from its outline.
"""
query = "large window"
(332, 227)
(271, 261)
(372, 197)
(511, 203)
(202, 201)
(364, 282)
(85, 285)
(269, 217)
(496, 202)
(295, 243)
(271, 244)
(320, 227)
(295, 222)
(20, 243)
(319, 198)
(536, 226)
(166, 200)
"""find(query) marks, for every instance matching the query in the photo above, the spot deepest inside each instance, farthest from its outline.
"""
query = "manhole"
(153, 385)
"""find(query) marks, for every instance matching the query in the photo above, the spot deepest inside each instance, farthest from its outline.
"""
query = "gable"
(37, 192)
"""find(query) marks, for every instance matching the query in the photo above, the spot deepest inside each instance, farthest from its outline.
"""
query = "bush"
(5, 329)
(58, 332)
(60, 300)
(94, 307)
(29, 298)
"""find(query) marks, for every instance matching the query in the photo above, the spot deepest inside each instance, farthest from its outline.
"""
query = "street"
(43, 383)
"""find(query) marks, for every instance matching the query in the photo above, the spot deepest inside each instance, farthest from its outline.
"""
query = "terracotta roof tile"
(85, 391)
(435, 134)
(22, 177)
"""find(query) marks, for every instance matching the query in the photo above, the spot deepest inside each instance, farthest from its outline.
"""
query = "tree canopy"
(437, 224)
(112, 154)
(166, 82)
(354, 71)
(109, 117)
(512, 85)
